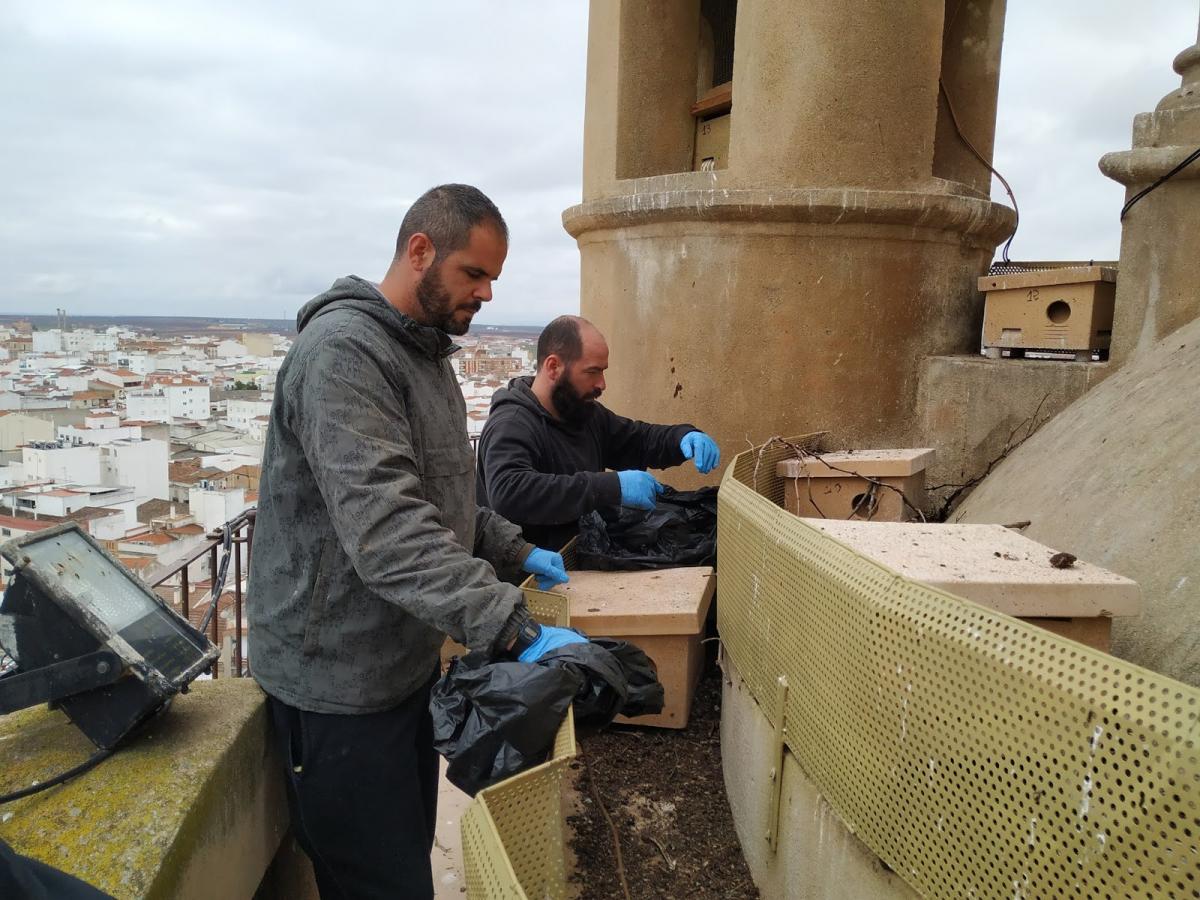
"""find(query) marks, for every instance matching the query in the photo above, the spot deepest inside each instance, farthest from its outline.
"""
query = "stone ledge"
(192, 807)
(969, 407)
(978, 221)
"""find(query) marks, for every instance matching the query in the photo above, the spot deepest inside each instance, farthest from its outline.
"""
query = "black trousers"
(25, 878)
(362, 791)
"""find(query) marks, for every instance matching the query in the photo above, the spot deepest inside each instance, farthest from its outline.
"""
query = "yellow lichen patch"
(129, 826)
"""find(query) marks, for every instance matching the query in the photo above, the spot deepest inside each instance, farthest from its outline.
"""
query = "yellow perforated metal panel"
(977, 755)
(512, 833)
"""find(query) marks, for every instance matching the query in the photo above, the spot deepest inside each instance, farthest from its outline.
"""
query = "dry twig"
(868, 497)
(671, 864)
(1030, 425)
(612, 826)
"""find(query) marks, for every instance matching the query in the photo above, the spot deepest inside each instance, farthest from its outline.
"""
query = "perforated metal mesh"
(1013, 267)
(512, 833)
(977, 755)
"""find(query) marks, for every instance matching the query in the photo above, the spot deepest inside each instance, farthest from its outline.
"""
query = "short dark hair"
(561, 338)
(446, 214)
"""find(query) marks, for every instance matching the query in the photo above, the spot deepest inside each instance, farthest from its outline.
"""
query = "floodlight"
(89, 636)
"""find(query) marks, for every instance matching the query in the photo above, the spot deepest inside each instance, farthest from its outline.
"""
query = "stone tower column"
(799, 286)
(1158, 289)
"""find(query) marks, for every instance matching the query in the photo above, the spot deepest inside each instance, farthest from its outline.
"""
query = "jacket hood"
(352, 292)
(520, 393)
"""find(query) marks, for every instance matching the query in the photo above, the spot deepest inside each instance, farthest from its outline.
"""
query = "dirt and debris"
(665, 794)
(1062, 560)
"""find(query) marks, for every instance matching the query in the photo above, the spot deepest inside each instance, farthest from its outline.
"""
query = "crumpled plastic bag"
(618, 679)
(644, 690)
(681, 530)
(492, 720)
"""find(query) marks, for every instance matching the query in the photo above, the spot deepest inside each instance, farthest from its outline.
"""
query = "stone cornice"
(981, 221)
(1146, 164)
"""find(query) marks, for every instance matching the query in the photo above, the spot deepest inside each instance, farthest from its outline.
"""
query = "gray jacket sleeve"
(356, 437)
(499, 541)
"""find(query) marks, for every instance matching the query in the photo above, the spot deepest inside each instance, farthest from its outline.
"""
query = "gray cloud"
(1073, 76)
(217, 158)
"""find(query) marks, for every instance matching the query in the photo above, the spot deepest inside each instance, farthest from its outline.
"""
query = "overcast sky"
(231, 158)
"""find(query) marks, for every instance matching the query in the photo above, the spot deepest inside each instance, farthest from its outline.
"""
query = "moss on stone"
(130, 825)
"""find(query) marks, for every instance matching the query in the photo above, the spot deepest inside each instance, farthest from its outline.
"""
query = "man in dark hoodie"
(369, 549)
(548, 441)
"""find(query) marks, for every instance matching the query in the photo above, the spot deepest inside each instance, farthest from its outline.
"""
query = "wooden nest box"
(867, 485)
(1066, 310)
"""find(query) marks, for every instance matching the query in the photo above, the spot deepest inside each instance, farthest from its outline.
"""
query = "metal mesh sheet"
(977, 755)
(512, 833)
(1013, 267)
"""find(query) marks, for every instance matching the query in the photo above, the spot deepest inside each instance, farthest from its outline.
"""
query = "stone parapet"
(192, 807)
(971, 410)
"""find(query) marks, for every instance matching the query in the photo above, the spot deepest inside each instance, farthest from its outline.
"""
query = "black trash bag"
(492, 720)
(681, 530)
(645, 692)
(618, 679)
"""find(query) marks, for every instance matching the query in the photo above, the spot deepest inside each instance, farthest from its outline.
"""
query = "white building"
(140, 465)
(72, 380)
(86, 341)
(17, 429)
(138, 362)
(107, 512)
(257, 430)
(170, 362)
(119, 376)
(229, 462)
(231, 350)
(12, 474)
(177, 398)
(239, 413)
(47, 341)
(35, 363)
(63, 499)
(213, 507)
(148, 406)
(61, 462)
(100, 427)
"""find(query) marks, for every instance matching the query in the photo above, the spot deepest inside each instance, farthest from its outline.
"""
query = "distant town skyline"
(202, 324)
(215, 159)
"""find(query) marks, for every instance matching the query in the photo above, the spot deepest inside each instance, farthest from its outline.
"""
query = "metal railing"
(242, 534)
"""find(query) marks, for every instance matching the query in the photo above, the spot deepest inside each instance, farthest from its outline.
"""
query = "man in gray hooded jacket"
(369, 549)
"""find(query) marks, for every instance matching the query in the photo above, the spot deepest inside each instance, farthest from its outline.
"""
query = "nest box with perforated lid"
(1055, 311)
(871, 485)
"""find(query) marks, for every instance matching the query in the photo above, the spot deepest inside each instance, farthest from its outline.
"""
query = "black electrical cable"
(218, 585)
(1187, 161)
(990, 168)
(91, 762)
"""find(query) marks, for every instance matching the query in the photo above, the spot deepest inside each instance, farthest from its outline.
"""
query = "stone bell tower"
(781, 217)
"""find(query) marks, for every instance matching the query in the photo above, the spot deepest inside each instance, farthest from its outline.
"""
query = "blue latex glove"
(551, 638)
(638, 489)
(703, 450)
(547, 566)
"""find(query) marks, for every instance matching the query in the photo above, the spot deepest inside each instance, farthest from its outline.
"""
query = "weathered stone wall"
(192, 807)
(974, 410)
